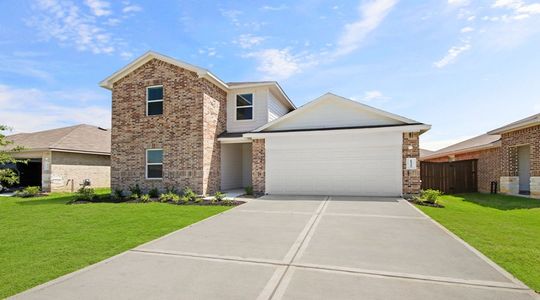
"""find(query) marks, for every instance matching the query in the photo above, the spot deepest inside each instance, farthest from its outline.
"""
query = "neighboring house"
(425, 152)
(520, 156)
(61, 159)
(178, 125)
(509, 155)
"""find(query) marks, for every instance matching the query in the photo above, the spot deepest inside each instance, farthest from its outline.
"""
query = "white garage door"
(335, 163)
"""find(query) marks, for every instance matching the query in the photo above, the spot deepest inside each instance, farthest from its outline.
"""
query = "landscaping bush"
(219, 196)
(29, 191)
(117, 194)
(171, 190)
(136, 191)
(153, 193)
(249, 190)
(85, 194)
(169, 196)
(145, 198)
(430, 196)
(189, 194)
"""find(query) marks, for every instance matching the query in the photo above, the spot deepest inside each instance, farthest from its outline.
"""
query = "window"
(154, 100)
(154, 163)
(244, 107)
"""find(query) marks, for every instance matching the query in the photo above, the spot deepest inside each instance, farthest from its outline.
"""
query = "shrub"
(219, 196)
(249, 190)
(190, 194)
(118, 194)
(169, 196)
(153, 193)
(85, 194)
(145, 198)
(430, 195)
(171, 190)
(136, 191)
(29, 191)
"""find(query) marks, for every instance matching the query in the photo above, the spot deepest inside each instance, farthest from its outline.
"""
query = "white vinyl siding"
(330, 113)
(235, 165)
(260, 111)
(276, 108)
(334, 163)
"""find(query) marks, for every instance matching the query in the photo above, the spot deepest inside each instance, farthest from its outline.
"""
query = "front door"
(524, 165)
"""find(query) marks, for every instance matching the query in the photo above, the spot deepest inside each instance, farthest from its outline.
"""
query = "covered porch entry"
(236, 159)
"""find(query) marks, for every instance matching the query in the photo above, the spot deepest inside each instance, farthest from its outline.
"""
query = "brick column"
(258, 166)
(411, 178)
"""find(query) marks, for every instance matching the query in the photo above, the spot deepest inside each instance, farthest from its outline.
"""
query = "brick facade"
(509, 143)
(258, 166)
(411, 178)
(69, 170)
(193, 116)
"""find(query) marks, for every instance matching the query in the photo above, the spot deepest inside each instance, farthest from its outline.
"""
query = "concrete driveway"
(292, 247)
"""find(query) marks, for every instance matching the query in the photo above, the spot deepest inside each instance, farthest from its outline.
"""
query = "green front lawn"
(43, 238)
(504, 228)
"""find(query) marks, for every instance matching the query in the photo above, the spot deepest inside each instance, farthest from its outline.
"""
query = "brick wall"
(186, 131)
(510, 141)
(69, 170)
(411, 178)
(489, 169)
(258, 166)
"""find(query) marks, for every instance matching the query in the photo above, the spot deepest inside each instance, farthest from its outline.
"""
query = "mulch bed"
(201, 202)
(426, 203)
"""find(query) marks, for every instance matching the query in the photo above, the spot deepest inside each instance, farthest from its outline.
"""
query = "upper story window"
(244, 107)
(154, 100)
(154, 163)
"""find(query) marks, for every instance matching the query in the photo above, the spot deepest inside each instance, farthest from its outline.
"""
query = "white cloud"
(458, 2)
(374, 95)
(131, 8)
(274, 8)
(232, 15)
(372, 13)
(452, 55)
(467, 29)
(27, 110)
(519, 8)
(65, 22)
(276, 64)
(99, 7)
(247, 41)
(24, 66)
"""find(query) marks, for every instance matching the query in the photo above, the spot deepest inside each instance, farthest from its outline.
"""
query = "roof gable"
(141, 60)
(332, 111)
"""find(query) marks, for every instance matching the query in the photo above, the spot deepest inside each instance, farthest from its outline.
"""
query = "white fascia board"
(404, 128)
(236, 140)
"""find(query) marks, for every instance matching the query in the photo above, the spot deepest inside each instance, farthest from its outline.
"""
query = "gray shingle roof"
(78, 138)
(474, 144)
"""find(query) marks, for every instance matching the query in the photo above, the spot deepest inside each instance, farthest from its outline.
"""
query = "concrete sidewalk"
(301, 247)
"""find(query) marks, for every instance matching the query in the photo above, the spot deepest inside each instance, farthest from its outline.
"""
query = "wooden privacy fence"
(450, 177)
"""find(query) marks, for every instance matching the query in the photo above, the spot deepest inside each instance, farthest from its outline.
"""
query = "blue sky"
(463, 66)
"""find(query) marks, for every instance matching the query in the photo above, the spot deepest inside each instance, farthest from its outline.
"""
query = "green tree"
(8, 176)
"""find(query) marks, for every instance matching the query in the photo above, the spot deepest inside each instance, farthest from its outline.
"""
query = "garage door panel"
(337, 164)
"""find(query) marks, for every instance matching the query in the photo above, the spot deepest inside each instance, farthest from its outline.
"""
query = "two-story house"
(178, 125)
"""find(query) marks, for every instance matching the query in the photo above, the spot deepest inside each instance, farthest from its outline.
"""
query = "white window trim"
(244, 106)
(152, 164)
(156, 100)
